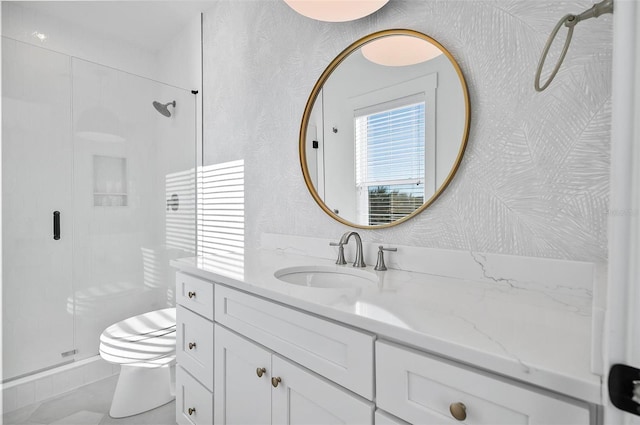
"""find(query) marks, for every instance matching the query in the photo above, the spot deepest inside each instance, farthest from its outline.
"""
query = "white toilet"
(145, 347)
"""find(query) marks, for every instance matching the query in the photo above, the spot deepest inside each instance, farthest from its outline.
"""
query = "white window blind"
(390, 162)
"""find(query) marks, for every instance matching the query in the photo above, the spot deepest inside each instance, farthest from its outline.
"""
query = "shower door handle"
(56, 225)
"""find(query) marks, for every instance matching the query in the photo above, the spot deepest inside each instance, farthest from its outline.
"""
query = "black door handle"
(56, 225)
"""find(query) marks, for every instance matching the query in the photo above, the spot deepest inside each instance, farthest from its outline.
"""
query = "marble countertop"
(533, 336)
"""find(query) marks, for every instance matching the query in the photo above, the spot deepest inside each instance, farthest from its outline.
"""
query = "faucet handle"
(340, 261)
(380, 266)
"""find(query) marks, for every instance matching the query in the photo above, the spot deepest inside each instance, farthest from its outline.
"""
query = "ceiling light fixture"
(335, 10)
(400, 50)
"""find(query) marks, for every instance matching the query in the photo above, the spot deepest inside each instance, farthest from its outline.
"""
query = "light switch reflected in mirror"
(384, 129)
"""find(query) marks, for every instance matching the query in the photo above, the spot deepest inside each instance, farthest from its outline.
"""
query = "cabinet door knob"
(191, 410)
(275, 381)
(191, 294)
(192, 345)
(260, 371)
(458, 411)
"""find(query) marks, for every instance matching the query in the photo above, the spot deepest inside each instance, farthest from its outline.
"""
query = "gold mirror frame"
(311, 102)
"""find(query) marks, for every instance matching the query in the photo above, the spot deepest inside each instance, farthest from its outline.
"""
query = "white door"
(242, 390)
(301, 397)
(37, 155)
(622, 325)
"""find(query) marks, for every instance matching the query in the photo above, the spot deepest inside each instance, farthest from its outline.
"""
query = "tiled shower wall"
(534, 180)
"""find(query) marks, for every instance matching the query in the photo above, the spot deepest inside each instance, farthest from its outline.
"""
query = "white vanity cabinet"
(194, 350)
(255, 386)
(261, 360)
(423, 389)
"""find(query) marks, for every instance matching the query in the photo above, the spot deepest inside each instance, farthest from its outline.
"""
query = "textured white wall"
(178, 63)
(534, 180)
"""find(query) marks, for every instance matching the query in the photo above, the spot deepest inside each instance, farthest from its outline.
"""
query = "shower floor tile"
(87, 405)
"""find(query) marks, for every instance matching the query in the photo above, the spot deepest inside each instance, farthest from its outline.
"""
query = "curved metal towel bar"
(570, 21)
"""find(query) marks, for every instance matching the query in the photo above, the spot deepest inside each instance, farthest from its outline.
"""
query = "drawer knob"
(191, 410)
(260, 371)
(191, 294)
(192, 345)
(275, 381)
(458, 411)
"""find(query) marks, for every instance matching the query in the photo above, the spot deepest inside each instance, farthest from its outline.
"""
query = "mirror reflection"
(384, 129)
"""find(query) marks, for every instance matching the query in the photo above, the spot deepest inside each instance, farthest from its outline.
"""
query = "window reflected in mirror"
(390, 152)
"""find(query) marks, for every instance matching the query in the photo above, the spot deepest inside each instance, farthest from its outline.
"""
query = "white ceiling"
(147, 24)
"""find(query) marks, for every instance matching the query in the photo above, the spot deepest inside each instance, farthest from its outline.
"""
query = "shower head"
(164, 108)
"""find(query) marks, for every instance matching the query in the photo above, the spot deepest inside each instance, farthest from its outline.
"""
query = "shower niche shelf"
(109, 181)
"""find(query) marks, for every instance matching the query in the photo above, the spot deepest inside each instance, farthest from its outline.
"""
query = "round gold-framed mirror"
(384, 129)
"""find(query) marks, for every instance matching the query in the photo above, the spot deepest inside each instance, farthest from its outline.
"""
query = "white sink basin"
(327, 276)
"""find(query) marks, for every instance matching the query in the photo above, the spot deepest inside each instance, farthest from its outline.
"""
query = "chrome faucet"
(359, 262)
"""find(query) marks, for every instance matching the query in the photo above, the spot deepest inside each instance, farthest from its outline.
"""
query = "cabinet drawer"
(420, 389)
(338, 353)
(195, 294)
(190, 394)
(194, 345)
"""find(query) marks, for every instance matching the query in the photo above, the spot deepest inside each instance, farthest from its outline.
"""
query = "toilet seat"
(146, 340)
(145, 347)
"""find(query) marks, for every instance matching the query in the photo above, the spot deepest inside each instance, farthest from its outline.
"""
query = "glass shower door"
(37, 169)
(84, 140)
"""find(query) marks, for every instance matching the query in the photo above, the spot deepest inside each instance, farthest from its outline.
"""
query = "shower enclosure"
(98, 196)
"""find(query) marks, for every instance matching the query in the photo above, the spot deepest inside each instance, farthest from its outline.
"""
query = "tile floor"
(87, 405)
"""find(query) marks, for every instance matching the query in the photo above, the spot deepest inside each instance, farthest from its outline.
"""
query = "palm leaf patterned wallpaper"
(534, 180)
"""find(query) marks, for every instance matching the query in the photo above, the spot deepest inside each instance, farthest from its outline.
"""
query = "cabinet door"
(240, 395)
(383, 418)
(302, 397)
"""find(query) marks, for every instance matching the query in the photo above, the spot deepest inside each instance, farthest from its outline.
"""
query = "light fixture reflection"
(375, 312)
(40, 36)
(335, 10)
(400, 50)
(99, 124)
